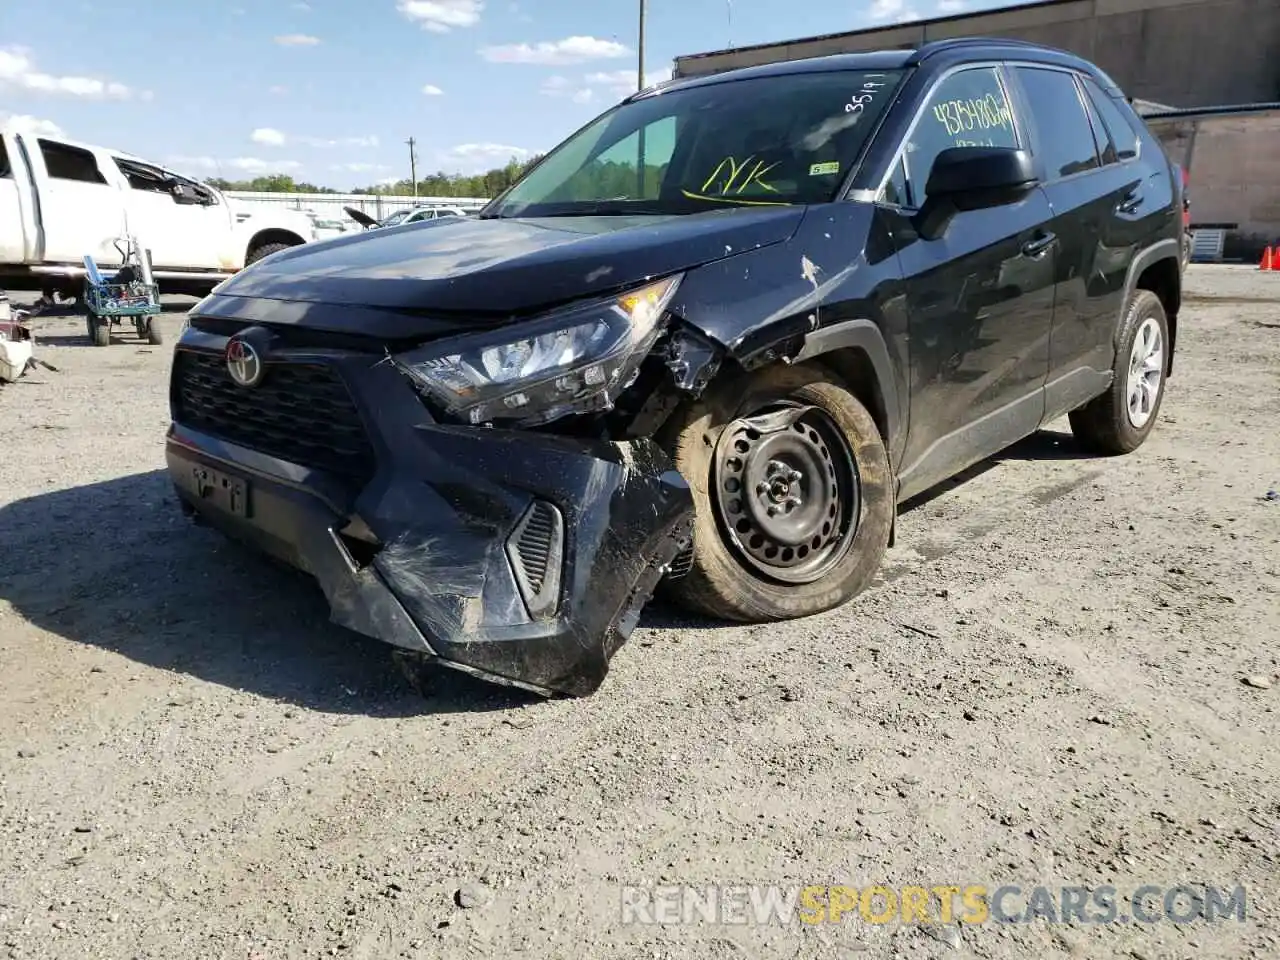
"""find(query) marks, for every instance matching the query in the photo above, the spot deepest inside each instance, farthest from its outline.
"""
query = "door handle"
(1033, 248)
(1129, 204)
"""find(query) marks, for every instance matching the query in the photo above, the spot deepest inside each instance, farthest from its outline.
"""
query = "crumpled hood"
(498, 268)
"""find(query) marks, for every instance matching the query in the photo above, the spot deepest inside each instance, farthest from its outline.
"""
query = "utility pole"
(640, 46)
(413, 165)
(640, 151)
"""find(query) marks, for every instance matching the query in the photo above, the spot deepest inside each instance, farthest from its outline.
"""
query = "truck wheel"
(792, 493)
(257, 253)
(1119, 420)
(99, 329)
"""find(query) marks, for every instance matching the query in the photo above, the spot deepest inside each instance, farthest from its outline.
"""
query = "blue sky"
(329, 90)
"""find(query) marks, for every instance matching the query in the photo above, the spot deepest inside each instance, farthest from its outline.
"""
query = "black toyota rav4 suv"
(705, 346)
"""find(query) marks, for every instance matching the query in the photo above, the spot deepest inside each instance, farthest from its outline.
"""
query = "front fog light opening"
(535, 551)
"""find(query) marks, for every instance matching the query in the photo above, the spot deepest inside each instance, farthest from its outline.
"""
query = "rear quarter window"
(1123, 135)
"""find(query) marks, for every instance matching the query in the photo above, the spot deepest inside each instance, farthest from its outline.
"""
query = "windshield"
(395, 218)
(766, 140)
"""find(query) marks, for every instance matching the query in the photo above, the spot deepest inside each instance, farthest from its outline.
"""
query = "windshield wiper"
(614, 207)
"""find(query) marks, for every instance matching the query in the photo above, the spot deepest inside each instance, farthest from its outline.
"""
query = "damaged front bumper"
(523, 558)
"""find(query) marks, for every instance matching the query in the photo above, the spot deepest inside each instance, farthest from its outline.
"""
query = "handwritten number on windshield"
(858, 102)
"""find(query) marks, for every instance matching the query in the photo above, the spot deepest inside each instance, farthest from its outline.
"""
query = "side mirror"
(184, 193)
(973, 178)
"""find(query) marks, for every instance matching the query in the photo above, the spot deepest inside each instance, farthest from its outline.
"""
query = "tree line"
(439, 184)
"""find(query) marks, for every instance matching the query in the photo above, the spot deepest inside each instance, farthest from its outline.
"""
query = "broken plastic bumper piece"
(522, 558)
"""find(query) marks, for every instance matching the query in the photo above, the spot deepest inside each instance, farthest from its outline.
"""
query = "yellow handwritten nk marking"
(736, 169)
(734, 200)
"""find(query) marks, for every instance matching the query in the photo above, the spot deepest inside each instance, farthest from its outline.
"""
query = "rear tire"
(793, 512)
(1118, 421)
(266, 250)
(154, 336)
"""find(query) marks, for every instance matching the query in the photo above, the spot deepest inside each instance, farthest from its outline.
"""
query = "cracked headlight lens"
(576, 360)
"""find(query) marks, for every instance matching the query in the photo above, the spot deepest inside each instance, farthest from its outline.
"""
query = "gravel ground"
(1050, 686)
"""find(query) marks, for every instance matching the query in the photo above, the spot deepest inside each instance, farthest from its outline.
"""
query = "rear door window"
(65, 162)
(1065, 142)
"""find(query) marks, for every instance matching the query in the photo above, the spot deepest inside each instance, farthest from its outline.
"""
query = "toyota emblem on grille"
(243, 363)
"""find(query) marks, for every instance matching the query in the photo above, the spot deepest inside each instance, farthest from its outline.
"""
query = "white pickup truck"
(60, 200)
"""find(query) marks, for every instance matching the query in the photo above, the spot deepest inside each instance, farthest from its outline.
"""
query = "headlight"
(575, 361)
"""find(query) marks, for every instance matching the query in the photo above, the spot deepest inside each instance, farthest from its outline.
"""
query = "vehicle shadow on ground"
(1041, 445)
(115, 565)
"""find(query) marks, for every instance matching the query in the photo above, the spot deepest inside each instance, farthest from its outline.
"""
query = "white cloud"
(481, 157)
(895, 10)
(302, 6)
(359, 167)
(556, 53)
(18, 69)
(431, 90)
(297, 40)
(441, 16)
(364, 143)
(37, 125)
(268, 136)
(279, 91)
(620, 83)
(610, 84)
(271, 137)
(951, 6)
(252, 165)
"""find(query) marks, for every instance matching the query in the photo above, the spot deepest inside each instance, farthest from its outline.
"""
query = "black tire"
(1104, 425)
(99, 329)
(257, 253)
(731, 576)
(154, 335)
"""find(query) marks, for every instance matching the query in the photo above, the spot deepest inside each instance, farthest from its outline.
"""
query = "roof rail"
(932, 47)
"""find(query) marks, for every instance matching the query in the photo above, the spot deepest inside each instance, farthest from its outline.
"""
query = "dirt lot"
(1048, 687)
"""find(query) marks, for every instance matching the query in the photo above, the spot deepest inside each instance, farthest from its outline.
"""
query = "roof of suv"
(937, 52)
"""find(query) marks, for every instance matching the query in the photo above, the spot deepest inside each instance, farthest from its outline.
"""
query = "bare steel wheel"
(787, 492)
(792, 492)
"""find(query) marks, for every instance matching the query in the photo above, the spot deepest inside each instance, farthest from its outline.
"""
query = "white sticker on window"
(824, 169)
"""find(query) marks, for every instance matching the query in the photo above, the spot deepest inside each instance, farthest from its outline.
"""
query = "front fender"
(834, 286)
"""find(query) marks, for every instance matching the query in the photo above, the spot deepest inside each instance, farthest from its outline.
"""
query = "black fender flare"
(862, 334)
(1167, 249)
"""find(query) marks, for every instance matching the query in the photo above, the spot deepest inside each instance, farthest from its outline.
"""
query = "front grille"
(300, 412)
